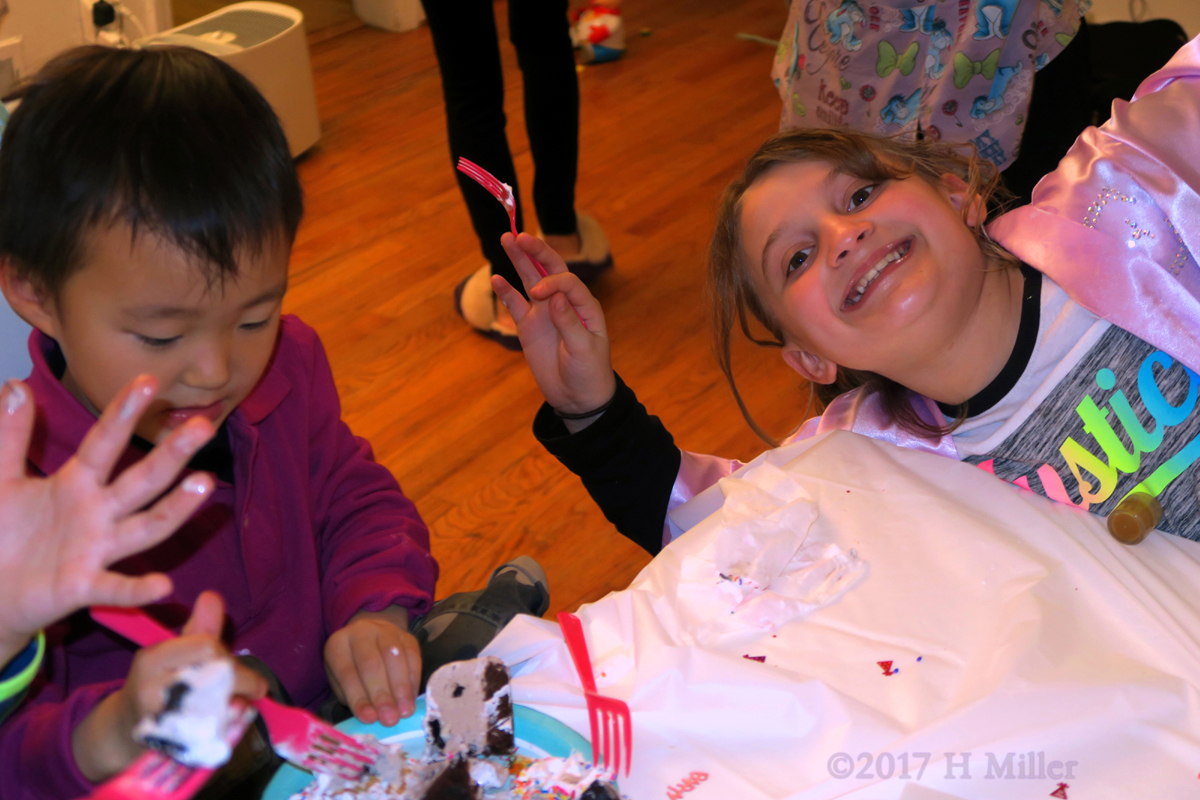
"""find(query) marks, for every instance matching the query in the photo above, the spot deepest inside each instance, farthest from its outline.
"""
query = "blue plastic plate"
(537, 736)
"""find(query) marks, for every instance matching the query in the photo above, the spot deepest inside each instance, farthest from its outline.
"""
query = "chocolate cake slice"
(455, 783)
(468, 709)
(601, 790)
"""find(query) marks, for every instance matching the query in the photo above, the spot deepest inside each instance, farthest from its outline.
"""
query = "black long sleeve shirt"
(627, 460)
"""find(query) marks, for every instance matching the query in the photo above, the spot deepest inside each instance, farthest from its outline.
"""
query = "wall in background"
(44, 27)
(156, 13)
(33, 32)
(1185, 12)
(47, 27)
(14, 349)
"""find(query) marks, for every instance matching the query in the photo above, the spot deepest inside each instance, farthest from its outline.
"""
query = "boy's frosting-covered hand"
(570, 362)
(103, 743)
(61, 533)
(374, 666)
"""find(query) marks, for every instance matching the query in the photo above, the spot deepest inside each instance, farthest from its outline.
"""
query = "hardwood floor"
(387, 237)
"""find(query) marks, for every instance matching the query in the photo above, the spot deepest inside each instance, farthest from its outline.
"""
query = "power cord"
(126, 14)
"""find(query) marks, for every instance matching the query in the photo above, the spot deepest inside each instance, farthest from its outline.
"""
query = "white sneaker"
(594, 256)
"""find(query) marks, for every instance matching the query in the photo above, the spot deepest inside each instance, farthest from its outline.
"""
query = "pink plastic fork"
(156, 776)
(609, 711)
(296, 735)
(502, 192)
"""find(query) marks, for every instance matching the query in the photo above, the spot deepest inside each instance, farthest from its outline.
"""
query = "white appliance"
(266, 43)
(391, 15)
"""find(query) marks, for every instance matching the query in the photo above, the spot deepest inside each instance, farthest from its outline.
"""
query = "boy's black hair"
(170, 140)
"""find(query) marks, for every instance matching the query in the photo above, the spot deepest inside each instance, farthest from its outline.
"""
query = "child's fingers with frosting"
(373, 676)
(248, 683)
(343, 675)
(115, 589)
(335, 685)
(150, 476)
(109, 437)
(412, 655)
(154, 668)
(404, 672)
(16, 428)
(156, 524)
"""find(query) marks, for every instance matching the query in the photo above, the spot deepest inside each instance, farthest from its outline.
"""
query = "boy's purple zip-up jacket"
(311, 532)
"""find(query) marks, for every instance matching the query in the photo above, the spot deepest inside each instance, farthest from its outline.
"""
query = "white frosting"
(571, 776)
(191, 728)
(394, 776)
(487, 774)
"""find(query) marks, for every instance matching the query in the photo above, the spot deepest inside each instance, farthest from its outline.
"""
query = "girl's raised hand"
(61, 533)
(103, 742)
(561, 328)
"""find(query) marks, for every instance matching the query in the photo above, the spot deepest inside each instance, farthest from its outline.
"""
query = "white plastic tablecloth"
(1021, 637)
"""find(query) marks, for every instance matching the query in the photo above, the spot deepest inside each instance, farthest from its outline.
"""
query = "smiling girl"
(1055, 348)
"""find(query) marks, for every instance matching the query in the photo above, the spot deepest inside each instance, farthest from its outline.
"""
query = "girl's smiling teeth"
(895, 254)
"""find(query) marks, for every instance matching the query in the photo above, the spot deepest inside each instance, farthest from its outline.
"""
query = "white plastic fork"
(295, 734)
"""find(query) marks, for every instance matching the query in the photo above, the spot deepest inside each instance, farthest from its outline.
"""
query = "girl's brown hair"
(865, 156)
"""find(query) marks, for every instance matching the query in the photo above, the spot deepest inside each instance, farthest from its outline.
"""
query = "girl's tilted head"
(861, 256)
(148, 204)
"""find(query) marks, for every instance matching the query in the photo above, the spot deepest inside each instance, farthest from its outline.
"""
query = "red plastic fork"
(156, 776)
(604, 713)
(296, 735)
(502, 192)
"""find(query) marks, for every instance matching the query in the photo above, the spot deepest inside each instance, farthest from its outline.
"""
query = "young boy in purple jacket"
(148, 205)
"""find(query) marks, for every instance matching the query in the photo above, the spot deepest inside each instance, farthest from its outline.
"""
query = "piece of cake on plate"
(470, 751)
(468, 709)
